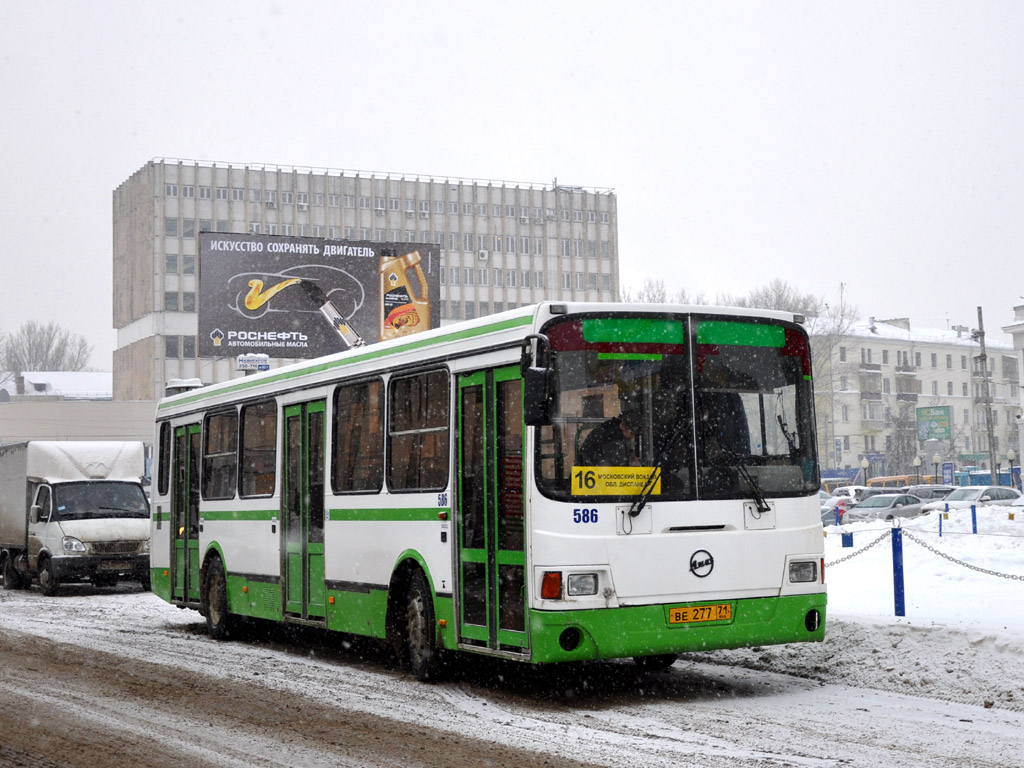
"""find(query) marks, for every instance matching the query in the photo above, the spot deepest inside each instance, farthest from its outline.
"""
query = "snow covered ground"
(942, 686)
(962, 636)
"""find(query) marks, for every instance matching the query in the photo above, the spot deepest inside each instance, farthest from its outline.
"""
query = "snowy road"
(93, 679)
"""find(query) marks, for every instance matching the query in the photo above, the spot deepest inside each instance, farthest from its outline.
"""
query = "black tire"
(218, 613)
(47, 581)
(657, 663)
(101, 582)
(145, 583)
(421, 638)
(12, 579)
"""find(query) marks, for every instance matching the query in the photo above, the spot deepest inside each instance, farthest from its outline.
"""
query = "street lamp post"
(1011, 455)
(917, 468)
(864, 464)
(936, 459)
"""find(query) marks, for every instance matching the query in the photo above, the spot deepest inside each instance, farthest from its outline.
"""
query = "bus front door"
(302, 534)
(492, 560)
(185, 513)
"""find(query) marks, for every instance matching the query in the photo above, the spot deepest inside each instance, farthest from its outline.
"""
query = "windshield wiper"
(659, 466)
(755, 490)
(786, 434)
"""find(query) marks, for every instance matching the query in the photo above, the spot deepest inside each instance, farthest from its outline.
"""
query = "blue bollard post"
(974, 519)
(897, 571)
(847, 539)
(940, 524)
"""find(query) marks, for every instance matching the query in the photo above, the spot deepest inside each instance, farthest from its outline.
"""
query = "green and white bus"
(438, 491)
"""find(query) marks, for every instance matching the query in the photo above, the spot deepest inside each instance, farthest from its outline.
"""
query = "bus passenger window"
(220, 460)
(418, 432)
(358, 437)
(259, 449)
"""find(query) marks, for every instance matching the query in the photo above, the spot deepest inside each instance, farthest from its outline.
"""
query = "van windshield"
(98, 499)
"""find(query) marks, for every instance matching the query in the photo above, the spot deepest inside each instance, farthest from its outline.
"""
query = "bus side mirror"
(537, 397)
(538, 377)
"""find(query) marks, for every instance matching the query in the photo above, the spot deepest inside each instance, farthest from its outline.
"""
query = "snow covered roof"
(891, 331)
(72, 385)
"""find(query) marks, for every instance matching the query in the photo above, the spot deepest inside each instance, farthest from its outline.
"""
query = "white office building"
(502, 244)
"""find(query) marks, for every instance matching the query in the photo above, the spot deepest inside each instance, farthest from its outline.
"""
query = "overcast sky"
(879, 145)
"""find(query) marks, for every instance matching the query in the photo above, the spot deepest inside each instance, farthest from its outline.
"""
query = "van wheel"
(12, 579)
(658, 663)
(47, 580)
(424, 653)
(218, 616)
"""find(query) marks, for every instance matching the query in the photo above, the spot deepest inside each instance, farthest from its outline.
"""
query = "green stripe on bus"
(240, 514)
(247, 383)
(634, 330)
(740, 334)
(388, 515)
(626, 356)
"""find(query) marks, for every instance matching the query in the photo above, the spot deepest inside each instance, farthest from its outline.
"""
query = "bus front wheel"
(421, 638)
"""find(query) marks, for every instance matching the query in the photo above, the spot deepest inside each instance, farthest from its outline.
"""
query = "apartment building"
(502, 244)
(879, 373)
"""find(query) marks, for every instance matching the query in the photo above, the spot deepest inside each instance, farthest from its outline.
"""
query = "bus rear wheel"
(423, 651)
(218, 615)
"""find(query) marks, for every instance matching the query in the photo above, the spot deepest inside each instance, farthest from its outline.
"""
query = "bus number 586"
(584, 515)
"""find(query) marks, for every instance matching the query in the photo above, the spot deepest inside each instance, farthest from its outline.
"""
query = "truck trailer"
(73, 512)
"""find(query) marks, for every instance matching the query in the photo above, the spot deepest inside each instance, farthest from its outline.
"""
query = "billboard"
(262, 294)
(933, 423)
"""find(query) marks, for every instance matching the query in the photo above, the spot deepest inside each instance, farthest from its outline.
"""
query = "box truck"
(73, 511)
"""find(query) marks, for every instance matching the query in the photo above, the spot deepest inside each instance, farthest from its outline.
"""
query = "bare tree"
(655, 292)
(778, 294)
(828, 328)
(38, 347)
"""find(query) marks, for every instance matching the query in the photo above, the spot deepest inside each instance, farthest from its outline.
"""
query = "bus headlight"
(581, 584)
(803, 571)
(71, 544)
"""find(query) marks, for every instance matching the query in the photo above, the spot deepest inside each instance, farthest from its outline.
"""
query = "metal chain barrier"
(860, 551)
(930, 548)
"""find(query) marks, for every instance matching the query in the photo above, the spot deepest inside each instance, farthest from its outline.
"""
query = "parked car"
(885, 506)
(828, 507)
(854, 492)
(978, 495)
(929, 492)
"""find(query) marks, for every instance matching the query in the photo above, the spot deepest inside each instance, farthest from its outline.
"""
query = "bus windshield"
(677, 408)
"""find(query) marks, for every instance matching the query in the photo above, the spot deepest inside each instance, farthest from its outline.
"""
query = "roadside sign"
(947, 473)
(256, 362)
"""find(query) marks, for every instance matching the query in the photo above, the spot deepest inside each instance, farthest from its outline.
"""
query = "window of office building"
(170, 226)
(188, 265)
(171, 190)
(237, 195)
(222, 193)
(204, 193)
(171, 263)
(188, 302)
(171, 347)
(188, 191)
(188, 228)
(171, 301)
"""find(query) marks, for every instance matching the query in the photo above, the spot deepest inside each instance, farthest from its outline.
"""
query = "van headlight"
(144, 547)
(71, 544)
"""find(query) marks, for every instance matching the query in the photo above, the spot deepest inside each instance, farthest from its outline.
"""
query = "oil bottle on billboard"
(402, 311)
